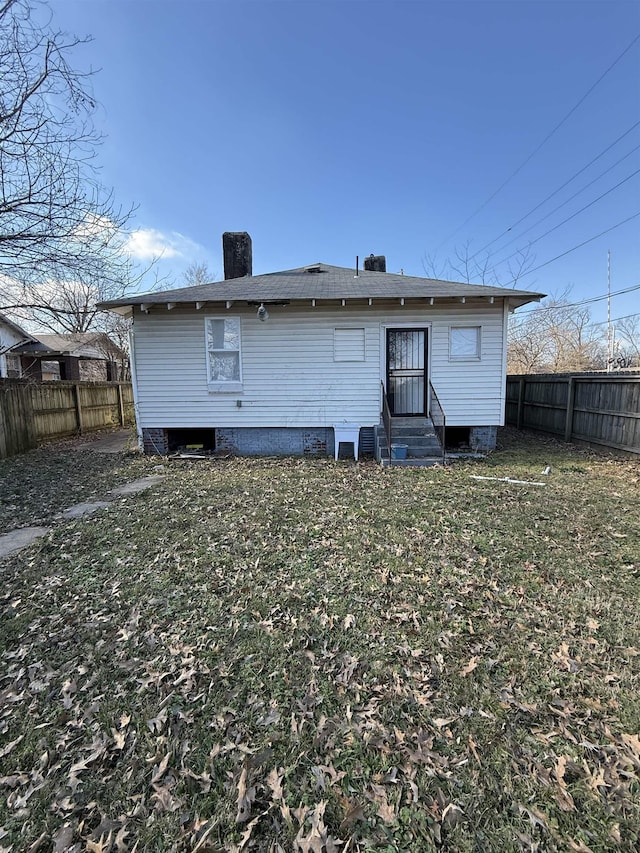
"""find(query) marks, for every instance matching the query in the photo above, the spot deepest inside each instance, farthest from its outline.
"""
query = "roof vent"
(314, 268)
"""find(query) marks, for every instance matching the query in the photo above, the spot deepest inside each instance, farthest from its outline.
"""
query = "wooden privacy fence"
(602, 408)
(31, 412)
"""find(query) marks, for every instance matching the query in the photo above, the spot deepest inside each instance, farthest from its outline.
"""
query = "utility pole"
(609, 335)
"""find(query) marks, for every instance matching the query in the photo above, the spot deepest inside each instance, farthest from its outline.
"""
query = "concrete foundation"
(265, 441)
(275, 441)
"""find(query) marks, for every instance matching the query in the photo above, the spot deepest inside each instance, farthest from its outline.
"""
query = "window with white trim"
(464, 343)
(224, 368)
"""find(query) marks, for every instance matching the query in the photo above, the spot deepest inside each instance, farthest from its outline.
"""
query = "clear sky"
(334, 129)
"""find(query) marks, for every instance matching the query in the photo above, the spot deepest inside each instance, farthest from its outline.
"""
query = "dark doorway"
(407, 371)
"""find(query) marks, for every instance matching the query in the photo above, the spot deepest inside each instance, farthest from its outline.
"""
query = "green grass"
(309, 656)
(38, 485)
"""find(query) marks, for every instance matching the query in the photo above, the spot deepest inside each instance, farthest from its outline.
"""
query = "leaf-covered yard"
(295, 655)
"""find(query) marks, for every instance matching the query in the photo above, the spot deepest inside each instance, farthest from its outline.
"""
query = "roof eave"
(126, 309)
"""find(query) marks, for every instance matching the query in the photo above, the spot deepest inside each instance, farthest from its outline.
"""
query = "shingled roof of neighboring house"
(15, 328)
(323, 282)
(78, 344)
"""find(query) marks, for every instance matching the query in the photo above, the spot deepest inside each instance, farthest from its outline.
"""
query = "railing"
(386, 416)
(439, 420)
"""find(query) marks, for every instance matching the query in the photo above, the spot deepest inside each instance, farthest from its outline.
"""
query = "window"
(464, 343)
(14, 370)
(348, 345)
(224, 371)
(51, 371)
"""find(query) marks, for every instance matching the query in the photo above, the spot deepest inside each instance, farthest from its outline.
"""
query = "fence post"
(121, 404)
(571, 394)
(76, 398)
(521, 391)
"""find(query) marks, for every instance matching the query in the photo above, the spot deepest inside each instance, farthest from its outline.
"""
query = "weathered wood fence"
(31, 412)
(601, 408)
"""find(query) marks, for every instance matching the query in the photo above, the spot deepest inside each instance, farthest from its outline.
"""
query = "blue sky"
(334, 129)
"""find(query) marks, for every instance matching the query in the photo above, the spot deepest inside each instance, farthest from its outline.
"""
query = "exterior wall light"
(263, 314)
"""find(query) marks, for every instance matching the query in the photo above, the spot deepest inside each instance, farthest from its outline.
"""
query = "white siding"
(471, 392)
(290, 375)
(8, 338)
(349, 344)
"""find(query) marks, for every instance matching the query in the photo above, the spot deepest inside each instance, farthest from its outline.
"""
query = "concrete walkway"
(21, 538)
(111, 442)
(16, 540)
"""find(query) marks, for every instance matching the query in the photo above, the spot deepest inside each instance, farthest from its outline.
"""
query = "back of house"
(269, 364)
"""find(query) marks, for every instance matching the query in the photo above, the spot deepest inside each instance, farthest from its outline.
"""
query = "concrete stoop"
(423, 447)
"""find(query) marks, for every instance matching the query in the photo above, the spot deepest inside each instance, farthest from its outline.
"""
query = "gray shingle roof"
(321, 281)
(87, 344)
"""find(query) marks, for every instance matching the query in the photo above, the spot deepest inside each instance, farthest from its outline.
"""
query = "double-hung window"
(224, 365)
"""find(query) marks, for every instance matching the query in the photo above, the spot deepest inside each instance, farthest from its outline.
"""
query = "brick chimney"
(236, 252)
(375, 263)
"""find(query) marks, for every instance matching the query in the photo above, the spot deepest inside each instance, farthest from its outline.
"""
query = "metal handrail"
(438, 419)
(386, 416)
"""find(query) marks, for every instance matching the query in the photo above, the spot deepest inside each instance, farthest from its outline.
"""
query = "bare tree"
(197, 273)
(477, 268)
(627, 333)
(69, 305)
(555, 338)
(61, 237)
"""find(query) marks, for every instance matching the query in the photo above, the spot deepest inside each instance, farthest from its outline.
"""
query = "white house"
(269, 364)
(11, 336)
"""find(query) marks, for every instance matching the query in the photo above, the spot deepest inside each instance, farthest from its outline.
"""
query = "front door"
(406, 371)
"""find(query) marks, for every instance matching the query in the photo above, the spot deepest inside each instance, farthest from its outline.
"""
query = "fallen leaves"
(245, 798)
(6, 750)
(385, 809)
(469, 667)
(349, 621)
(282, 655)
(563, 797)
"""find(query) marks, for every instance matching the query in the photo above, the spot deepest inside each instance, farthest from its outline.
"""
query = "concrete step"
(408, 430)
(407, 433)
(410, 421)
(417, 445)
(423, 449)
(426, 450)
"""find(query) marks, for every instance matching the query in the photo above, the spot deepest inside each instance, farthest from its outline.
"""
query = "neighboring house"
(11, 336)
(86, 356)
(268, 364)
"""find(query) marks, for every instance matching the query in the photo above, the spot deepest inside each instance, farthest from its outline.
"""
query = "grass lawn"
(298, 655)
(36, 486)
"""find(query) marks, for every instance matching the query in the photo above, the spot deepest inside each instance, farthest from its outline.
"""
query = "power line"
(615, 320)
(541, 144)
(583, 301)
(561, 187)
(579, 246)
(564, 221)
(555, 209)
